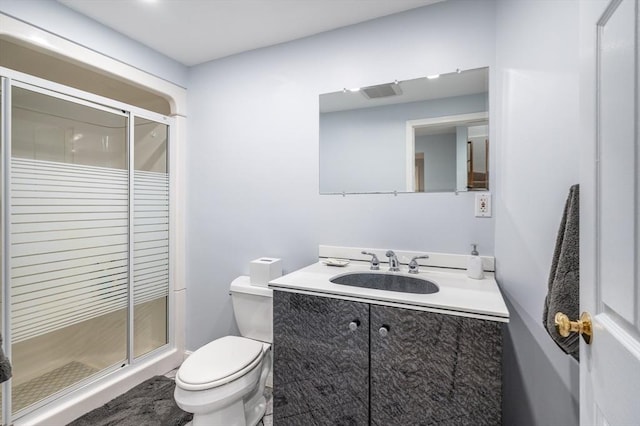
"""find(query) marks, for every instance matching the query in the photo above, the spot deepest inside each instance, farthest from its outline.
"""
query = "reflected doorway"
(419, 171)
(454, 153)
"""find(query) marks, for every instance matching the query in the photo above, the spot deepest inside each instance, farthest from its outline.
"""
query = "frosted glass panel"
(151, 235)
(69, 244)
(69, 249)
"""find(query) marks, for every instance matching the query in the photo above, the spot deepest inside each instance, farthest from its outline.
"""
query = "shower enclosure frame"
(11, 78)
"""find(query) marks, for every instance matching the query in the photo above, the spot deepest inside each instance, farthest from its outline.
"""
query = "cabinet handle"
(353, 325)
(384, 330)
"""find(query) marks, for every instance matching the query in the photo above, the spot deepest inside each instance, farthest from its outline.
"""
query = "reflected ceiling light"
(354, 89)
(432, 76)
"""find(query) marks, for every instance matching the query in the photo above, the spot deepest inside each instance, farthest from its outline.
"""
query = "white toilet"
(222, 383)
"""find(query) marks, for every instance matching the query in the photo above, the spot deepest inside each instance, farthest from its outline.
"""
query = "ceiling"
(196, 31)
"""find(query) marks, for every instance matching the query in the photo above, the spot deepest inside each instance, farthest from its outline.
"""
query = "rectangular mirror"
(429, 134)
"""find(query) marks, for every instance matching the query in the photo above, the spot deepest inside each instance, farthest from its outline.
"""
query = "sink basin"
(390, 282)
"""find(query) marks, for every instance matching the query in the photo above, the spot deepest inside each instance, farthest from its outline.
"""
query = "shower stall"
(85, 233)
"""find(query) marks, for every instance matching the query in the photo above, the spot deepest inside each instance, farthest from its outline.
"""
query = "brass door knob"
(582, 326)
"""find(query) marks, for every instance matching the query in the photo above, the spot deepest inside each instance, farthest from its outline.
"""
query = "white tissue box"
(263, 270)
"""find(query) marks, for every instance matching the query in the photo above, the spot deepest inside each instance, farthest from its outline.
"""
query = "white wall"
(253, 154)
(538, 160)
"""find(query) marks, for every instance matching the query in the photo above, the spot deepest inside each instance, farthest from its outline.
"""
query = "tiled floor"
(172, 374)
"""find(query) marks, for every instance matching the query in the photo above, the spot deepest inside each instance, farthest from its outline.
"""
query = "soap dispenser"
(474, 265)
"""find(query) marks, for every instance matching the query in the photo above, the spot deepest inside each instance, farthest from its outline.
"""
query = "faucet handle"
(413, 264)
(375, 263)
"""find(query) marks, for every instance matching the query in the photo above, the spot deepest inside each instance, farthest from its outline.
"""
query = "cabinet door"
(434, 369)
(321, 365)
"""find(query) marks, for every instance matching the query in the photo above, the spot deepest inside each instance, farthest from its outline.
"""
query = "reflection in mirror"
(421, 135)
(446, 154)
(478, 157)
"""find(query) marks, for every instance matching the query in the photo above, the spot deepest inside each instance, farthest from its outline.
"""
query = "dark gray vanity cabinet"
(321, 361)
(434, 369)
(340, 362)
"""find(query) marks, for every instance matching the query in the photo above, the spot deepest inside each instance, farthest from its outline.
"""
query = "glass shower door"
(151, 235)
(69, 242)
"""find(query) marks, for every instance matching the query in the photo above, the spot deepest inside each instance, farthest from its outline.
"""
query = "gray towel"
(564, 278)
(5, 365)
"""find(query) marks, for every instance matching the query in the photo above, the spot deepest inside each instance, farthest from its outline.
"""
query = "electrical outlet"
(483, 204)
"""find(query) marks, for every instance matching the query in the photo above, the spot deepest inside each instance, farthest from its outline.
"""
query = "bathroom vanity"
(356, 356)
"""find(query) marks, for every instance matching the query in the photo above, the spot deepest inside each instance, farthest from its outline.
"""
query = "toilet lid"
(221, 359)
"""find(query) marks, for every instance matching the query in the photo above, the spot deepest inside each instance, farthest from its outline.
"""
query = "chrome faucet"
(413, 265)
(394, 265)
(375, 263)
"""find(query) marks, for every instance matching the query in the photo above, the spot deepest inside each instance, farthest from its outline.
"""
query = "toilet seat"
(219, 362)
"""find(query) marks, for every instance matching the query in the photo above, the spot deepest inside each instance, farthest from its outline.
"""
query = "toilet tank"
(253, 309)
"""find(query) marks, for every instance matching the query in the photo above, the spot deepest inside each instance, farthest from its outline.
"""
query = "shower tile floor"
(49, 383)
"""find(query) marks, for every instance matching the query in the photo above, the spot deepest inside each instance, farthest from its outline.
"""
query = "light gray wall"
(252, 173)
(58, 19)
(439, 161)
(537, 118)
(364, 150)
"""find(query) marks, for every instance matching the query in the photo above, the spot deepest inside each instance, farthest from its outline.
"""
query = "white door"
(610, 213)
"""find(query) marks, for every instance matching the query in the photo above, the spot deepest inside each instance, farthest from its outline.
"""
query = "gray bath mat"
(148, 404)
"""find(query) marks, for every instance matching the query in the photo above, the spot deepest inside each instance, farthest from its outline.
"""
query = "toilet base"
(254, 415)
(226, 405)
(233, 415)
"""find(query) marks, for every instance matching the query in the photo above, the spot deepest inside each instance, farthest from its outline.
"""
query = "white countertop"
(458, 295)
